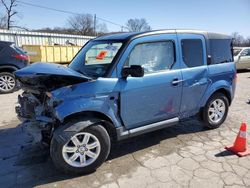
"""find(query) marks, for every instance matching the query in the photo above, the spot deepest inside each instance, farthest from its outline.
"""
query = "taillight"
(21, 57)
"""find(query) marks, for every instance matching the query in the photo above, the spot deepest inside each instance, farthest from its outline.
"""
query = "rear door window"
(17, 49)
(192, 52)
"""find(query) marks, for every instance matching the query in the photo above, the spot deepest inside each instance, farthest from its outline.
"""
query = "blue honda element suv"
(123, 85)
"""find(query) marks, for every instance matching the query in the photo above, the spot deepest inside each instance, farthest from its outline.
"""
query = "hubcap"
(7, 83)
(82, 150)
(216, 110)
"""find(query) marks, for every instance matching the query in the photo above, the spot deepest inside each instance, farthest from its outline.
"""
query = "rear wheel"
(215, 111)
(80, 152)
(7, 82)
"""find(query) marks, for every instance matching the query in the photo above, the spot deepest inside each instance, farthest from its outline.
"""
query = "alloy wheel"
(216, 110)
(82, 150)
(7, 83)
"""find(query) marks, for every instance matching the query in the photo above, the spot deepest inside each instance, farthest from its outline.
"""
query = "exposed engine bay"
(37, 81)
(34, 113)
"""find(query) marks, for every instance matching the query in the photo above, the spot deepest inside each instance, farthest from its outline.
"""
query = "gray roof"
(129, 35)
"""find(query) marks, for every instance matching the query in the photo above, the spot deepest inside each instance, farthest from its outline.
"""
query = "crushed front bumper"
(32, 111)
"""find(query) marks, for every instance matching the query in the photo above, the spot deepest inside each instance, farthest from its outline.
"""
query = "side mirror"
(133, 70)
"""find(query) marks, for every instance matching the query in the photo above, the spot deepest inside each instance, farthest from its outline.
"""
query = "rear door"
(194, 72)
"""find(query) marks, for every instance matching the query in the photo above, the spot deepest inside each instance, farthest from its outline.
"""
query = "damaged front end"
(33, 108)
(37, 117)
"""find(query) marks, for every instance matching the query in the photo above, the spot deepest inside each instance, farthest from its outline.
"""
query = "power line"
(67, 12)
(48, 8)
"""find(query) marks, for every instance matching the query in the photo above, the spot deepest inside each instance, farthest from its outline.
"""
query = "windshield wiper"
(84, 74)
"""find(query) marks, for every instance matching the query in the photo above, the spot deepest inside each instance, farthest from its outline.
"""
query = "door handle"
(176, 81)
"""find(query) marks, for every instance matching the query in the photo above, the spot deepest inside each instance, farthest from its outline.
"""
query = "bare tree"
(138, 25)
(2, 22)
(101, 29)
(82, 24)
(9, 6)
(248, 41)
(239, 40)
(86, 24)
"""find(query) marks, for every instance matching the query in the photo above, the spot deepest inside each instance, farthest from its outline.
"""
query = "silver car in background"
(242, 57)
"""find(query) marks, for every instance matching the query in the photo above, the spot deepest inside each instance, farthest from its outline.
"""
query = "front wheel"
(7, 82)
(80, 152)
(215, 111)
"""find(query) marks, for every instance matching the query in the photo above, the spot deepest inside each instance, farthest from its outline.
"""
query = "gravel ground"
(185, 155)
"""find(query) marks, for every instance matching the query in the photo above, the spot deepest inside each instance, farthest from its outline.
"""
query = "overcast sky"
(224, 16)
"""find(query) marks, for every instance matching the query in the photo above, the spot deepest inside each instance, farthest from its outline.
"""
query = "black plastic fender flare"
(63, 133)
(8, 67)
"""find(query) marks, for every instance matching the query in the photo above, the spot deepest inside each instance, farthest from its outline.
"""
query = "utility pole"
(95, 24)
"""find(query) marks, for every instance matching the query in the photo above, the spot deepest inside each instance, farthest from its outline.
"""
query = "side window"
(245, 52)
(1, 47)
(221, 50)
(153, 56)
(192, 52)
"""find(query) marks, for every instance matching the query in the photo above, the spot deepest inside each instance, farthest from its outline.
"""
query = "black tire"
(205, 117)
(9, 75)
(62, 137)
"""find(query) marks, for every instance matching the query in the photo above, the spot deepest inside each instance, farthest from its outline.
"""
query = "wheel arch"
(225, 92)
(9, 69)
(97, 117)
(224, 89)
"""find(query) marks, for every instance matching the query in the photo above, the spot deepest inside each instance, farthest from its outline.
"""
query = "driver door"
(156, 96)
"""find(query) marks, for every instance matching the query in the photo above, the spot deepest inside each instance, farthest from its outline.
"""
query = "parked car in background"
(124, 85)
(242, 57)
(12, 58)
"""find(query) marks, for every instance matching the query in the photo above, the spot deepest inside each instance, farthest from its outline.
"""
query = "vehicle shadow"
(243, 71)
(32, 165)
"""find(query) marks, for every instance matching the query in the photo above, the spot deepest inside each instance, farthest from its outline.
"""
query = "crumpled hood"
(48, 76)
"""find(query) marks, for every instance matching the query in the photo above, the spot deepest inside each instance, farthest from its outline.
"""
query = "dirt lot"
(186, 155)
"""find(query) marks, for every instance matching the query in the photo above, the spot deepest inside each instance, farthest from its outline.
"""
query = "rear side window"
(17, 49)
(192, 52)
(221, 50)
(2, 46)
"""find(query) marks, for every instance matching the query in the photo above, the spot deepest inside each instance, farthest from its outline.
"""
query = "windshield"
(236, 51)
(95, 58)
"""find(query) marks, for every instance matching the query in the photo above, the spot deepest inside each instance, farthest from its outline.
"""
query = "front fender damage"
(72, 129)
(106, 104)
(40, 114)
